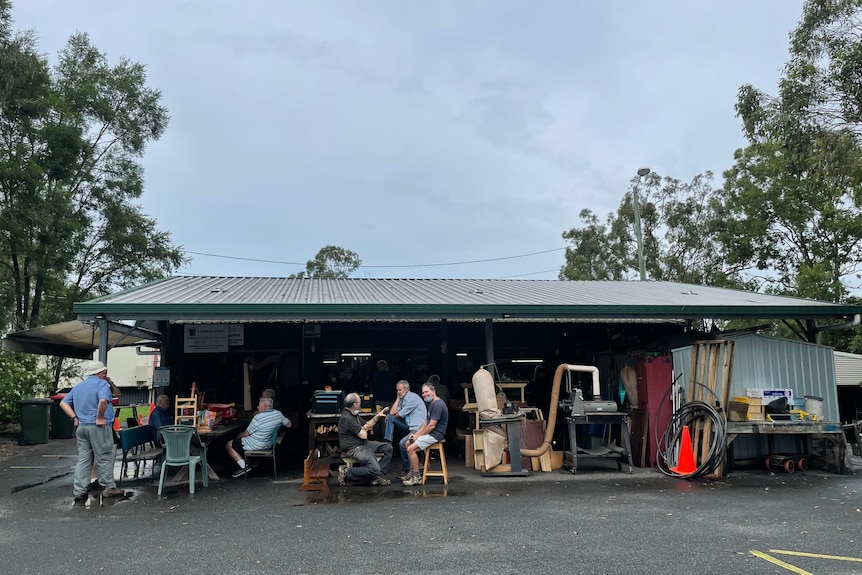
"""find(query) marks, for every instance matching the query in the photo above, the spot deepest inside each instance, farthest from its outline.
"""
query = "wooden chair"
(444, 471)
(277, 436)
(186, 410)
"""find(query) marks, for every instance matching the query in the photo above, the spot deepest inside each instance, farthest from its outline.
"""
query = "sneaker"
(112, 492)
(381, 481)
(94, 486)
(241, 471)
(414, 479)
(81, 499)
(342, 475)
(404, 475)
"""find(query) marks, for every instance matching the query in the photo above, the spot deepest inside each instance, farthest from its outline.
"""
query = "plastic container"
(62, 426)
(814, 406)
(35, 420)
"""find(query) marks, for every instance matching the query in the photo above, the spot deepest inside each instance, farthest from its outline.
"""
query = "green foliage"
(70, 141)
(794, 193)
(331, 262)
(679, 221)
(20, 377)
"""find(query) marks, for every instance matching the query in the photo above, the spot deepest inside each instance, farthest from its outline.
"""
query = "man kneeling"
(353, 441)
(432, 431)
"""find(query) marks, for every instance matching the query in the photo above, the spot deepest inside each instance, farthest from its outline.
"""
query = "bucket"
(814, 406)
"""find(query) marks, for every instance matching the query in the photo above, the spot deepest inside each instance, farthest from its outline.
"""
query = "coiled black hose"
(689, 415)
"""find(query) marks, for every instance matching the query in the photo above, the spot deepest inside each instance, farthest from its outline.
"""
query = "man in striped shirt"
(258, 434)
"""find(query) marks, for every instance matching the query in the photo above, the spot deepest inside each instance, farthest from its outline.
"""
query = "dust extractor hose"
(555, 398)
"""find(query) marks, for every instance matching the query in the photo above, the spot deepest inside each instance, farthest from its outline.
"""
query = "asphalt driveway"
(600, 521)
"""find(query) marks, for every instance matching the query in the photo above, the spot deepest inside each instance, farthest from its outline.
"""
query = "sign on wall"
(235, 334)
(161, 377)
(205, 338)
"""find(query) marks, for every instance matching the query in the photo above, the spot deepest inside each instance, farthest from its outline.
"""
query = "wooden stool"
(444, 472)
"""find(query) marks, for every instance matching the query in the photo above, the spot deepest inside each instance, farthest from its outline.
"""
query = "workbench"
(832, 434)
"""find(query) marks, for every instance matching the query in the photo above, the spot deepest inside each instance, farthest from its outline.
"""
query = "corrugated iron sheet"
(770, 362)
(263, 298)
(848, 368)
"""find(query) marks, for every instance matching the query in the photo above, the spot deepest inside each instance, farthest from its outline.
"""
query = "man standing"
(353, 441)
(258, 434)
(383, 385)
(432, 431)
(407, 415)
(89, 406)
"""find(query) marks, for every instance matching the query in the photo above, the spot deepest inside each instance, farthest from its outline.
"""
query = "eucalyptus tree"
(680, 224)
(71, 139)
(794, 193)
(331, 262)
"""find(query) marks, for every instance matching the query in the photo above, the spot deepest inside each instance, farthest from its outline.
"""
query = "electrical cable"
(689, 415)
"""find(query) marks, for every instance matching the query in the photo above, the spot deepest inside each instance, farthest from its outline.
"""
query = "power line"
(386, 266)
(530, 274)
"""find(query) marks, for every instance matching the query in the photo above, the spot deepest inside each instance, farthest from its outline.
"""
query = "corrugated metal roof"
(204, 297)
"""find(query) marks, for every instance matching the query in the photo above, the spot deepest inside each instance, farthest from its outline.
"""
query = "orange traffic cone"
(685, 462)
(116, 424)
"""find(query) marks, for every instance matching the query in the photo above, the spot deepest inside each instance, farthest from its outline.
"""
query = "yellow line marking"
(816, 555)
(780, 563)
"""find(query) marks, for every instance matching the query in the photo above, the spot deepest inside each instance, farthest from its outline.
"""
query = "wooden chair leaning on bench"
(315, 473)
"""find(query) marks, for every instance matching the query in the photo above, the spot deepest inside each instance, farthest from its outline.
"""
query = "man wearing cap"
(88, 404)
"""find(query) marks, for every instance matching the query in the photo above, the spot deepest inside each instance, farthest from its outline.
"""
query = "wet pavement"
(599, 521)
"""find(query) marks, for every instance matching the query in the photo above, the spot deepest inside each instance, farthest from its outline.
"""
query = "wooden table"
(207, 435)
(519, 386)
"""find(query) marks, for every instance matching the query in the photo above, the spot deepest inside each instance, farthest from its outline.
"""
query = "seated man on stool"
(353, 441)
(432, 431)
(258, 434)
(407, 416)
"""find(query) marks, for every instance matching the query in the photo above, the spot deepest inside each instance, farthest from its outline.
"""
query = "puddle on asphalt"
(96, 501)
(362, 494)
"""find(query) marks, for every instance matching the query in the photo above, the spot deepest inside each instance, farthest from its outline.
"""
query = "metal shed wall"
(848, 368)
(770, 362)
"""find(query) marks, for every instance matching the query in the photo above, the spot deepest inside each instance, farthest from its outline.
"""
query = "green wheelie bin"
(62, 426)
(35, 420)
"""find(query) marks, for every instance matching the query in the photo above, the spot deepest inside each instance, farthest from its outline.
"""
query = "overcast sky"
(418, 133)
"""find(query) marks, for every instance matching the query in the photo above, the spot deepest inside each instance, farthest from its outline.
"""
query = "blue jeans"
(394, 422)
(402, 445)
(367, 467)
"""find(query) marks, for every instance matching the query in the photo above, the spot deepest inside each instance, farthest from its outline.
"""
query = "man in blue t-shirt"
(432, 431)
(160, 415)
(89, 406)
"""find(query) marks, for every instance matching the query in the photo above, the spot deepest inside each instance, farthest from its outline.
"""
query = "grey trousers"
(95, 444)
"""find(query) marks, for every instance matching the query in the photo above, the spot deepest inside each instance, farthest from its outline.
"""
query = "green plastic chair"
(177, 442)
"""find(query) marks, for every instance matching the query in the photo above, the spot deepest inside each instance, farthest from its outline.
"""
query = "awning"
(77, 339)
